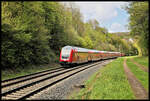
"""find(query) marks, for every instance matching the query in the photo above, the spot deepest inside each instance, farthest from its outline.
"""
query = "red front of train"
(66, 55)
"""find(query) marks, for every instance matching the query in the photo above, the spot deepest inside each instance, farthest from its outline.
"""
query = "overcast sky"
(108, 14)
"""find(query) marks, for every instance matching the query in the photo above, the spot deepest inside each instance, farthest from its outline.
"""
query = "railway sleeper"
(8, 98)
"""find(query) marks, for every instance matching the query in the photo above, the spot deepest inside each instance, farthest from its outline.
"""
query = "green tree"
(139, 18)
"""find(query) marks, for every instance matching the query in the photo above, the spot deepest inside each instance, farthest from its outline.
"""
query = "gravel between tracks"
(66, 87)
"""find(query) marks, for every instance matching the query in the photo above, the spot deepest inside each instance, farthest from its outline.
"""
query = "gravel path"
(66, 87)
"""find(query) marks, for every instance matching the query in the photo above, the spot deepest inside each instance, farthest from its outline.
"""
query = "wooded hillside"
(35, 32)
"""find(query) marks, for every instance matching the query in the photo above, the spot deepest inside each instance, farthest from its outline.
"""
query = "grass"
(109, 82)
(142, 60)
(12, 73)
(140, 75)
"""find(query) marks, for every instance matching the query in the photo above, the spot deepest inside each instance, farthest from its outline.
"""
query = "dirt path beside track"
(140, 66)
(138, 89)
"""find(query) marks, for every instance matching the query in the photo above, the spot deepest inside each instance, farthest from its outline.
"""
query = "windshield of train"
(66, 52)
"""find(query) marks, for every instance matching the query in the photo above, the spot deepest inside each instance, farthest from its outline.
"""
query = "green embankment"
(141, 60)
(110, 84)
(10, 73)
(140, 74)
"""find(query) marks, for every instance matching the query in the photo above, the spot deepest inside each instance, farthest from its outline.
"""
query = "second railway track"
(26, 88)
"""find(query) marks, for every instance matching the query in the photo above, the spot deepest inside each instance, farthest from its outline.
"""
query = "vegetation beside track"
(111, 83)
(140, 74)
(108, 83)
(12, 73)
(141, 60)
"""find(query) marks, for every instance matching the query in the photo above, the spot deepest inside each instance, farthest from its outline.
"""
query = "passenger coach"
(73, 55)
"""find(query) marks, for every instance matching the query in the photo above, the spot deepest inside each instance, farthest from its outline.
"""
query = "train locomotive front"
(66, 56)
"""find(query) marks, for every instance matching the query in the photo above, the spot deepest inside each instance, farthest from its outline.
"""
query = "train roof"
(79, 49)
(114, 52)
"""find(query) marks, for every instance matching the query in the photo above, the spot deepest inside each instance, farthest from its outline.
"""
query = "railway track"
(19, 79)
(24, 87)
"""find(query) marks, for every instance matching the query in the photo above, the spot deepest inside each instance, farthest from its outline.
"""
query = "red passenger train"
(72, 55)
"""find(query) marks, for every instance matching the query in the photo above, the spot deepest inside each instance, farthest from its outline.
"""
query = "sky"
(110, 15)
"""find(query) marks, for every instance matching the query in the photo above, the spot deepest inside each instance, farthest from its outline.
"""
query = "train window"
(65, 57)
(66, 53)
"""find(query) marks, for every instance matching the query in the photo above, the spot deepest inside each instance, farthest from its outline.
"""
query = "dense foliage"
(139, 18)
(35, 32)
